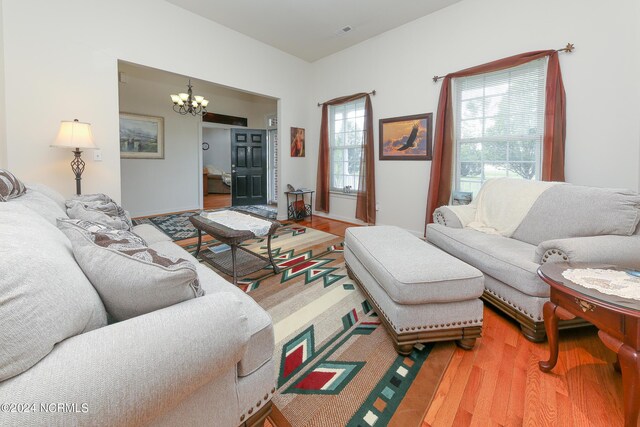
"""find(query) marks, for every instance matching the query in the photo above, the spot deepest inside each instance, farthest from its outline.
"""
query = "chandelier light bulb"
(183, 96)
(204, 103)
(175, 99)
(199, 99)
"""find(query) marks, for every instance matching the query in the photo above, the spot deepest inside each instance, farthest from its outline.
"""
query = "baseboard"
(164, 211)
(340, 218)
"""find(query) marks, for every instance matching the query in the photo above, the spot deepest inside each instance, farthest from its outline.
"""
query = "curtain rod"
(568, 48)
(373, 92)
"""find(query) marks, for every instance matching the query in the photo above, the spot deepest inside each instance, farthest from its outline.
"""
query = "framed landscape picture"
(141, 137)
(406, 137)
(297, 142)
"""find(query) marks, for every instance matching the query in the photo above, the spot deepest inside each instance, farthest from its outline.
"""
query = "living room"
(64, 58)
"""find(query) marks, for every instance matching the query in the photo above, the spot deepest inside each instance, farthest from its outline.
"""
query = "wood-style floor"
(216, 201)
(498, 383)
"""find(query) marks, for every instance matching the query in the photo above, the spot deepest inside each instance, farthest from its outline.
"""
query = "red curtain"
(440, 183)
(366, 197)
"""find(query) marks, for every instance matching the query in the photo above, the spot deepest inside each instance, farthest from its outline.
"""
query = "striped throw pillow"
(10, 186)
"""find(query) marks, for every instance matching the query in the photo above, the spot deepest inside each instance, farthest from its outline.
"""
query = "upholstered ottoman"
(421, 294)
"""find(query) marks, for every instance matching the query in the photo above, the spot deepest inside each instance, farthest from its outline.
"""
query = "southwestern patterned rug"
(178, 227)
(336, 364)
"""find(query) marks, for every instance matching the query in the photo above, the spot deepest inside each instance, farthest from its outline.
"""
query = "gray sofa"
(567, 223)
(205, 361)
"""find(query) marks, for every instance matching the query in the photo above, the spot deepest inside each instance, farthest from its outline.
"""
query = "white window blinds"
(499, 125)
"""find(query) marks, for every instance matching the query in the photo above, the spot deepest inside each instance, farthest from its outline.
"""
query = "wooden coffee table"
(233, 262)
(617, 320)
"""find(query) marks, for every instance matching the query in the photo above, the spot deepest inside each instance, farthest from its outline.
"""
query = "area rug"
(336, 364)
(178, 227)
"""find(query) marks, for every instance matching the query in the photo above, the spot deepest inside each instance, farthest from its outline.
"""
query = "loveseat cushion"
(131, 278)
(505, 259)
(10, 186)
(261, 344)
(566, 211)
(44, 295)
(410, 270)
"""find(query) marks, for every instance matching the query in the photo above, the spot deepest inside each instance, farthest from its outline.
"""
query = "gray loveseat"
(567, 223)
(205, 361)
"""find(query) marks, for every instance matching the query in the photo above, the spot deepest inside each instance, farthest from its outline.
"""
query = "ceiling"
(309, 29)
(180, 82)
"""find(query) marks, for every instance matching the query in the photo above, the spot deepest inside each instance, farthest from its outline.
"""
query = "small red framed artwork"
(297, 142)
(406, 137)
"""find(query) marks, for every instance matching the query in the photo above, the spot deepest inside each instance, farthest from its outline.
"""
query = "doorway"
(216, 166)
(240, 168)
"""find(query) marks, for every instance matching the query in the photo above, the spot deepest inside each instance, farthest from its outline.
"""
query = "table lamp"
(76, 135)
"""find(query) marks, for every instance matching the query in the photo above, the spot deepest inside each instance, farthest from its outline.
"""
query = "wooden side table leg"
(630, 364)
(199, 243)
(273, 263)
(551, 326)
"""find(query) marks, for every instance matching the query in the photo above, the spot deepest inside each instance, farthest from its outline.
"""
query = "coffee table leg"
(630, 364)
(552, 313)
(199, 243)
(233, 264)
(551, 326)
(273, 264)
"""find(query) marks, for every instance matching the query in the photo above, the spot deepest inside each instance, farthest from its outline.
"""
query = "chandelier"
(187, 103)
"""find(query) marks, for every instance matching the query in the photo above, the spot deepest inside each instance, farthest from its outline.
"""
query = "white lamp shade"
(74, 135)
(175, 99)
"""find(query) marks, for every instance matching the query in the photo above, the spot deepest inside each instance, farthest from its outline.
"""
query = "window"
(499, 125)
(346, 138)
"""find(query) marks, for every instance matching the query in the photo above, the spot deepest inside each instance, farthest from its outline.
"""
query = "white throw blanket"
(501, 205)
(239, 221)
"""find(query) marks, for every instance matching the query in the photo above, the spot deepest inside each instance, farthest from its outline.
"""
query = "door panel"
(248, 167)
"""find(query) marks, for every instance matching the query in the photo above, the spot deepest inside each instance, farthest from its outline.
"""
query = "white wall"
(601, 79)
(219, 153)
(154, 186)
(3, 134)
(61, 58)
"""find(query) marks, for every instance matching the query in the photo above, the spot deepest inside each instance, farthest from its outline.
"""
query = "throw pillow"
(96, 227)
(131, 278)
(45, 297)
(105, 212)
(10, 186)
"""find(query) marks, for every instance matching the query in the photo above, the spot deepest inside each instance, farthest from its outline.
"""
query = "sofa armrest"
(455, 216)
(130, 372)
(445, 216)
(623, 251)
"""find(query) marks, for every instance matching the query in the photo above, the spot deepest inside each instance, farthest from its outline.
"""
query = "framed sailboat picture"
(406, 137)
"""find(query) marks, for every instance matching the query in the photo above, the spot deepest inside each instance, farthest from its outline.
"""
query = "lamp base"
(77, 166)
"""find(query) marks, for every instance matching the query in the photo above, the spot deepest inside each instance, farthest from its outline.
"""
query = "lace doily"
(239, 221)
(611, 282)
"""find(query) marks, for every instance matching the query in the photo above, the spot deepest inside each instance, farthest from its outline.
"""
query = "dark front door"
(248, 167)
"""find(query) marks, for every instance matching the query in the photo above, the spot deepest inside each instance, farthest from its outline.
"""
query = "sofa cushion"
(104, 212)
(44, 295)
(42, 205)
(10, 186)
(566, 211)
(410, 270)
(505, 259)
(50, 193)
(150, 234)
(260, 347)
(131, 278)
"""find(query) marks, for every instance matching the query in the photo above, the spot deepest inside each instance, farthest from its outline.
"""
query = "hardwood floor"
(499, 383)
(217, 201)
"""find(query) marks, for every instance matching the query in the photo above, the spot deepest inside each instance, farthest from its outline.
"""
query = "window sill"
(341, 194)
